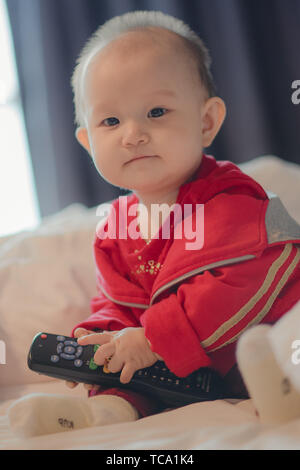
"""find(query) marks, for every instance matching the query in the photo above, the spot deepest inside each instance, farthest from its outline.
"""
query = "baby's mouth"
(140, 157)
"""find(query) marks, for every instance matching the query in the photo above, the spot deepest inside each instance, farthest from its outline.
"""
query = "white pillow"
(47, 279)
(279, 177)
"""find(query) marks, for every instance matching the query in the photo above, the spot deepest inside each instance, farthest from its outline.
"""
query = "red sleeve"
(209, 312)
(106, 315)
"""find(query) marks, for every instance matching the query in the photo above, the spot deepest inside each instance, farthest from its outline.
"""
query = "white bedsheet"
(44, 287)
(218, 424)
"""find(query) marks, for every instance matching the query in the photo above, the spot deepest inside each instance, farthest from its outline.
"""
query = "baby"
(146, 108)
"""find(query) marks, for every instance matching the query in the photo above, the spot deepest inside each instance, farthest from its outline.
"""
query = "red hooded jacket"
(195, 303)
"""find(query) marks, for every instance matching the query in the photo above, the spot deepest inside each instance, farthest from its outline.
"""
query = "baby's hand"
(128, 349)
(77, 334)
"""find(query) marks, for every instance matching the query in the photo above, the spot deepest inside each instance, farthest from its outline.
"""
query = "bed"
(44, 287)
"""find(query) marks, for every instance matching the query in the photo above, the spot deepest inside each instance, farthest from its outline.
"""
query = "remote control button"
(199, 380)
(60, 348)
(79, 351)
(60, 338)
(92, 364)
(69, 357)
(71, 343)
(78, 363)
(43, 336)
(54, 358)
(69, 350)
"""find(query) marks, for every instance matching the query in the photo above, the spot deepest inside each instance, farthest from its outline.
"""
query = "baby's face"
(143, 101)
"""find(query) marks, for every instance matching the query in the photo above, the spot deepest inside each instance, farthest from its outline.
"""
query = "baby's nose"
(134, 134)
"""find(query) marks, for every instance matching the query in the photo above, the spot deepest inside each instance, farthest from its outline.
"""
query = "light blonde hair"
(137, 20)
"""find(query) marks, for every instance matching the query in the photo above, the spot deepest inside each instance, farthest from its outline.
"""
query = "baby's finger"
(127, 373)
(80, 332)
(95, 338)
(102, 353)
(115, 364)
(71, 384)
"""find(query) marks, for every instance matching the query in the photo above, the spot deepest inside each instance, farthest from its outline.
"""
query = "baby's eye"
(110, 121)
(157, 112)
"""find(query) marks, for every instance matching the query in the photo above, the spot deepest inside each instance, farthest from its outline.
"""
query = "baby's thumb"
(80, 332)
(96, 338)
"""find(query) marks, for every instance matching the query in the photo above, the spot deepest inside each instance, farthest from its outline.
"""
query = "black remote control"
(62, 357)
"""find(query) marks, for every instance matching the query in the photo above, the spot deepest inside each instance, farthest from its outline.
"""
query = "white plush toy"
(269, 361)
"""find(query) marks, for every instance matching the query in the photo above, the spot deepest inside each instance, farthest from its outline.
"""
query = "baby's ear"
(83, 138)
(214, 113)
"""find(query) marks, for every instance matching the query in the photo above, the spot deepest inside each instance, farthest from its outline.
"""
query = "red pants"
(145, 405)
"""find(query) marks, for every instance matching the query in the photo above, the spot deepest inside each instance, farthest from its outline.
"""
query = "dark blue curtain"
(255, 49)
